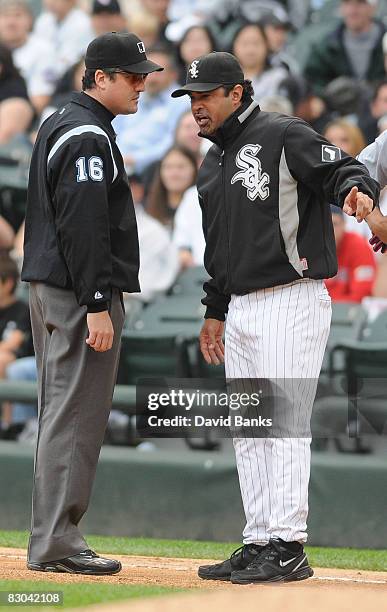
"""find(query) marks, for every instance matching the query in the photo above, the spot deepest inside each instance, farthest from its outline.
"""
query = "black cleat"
(239, 559)
(279, 562)
(85, 562)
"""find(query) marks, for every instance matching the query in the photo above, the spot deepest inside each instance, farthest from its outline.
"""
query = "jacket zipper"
(222, 163)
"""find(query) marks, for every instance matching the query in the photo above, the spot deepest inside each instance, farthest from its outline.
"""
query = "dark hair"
(157, 199)
(8, 269)
(166, 50)
(257, 26)
(88, 79)
(180, 63)
(248, 90)
(8, 68)
(377, 89)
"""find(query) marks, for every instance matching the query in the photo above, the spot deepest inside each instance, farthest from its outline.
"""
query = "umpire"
(80, 254)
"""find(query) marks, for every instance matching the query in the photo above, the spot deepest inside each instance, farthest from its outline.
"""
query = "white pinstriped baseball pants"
(277, 333)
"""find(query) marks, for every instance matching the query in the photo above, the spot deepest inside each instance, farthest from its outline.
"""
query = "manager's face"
(211, 108)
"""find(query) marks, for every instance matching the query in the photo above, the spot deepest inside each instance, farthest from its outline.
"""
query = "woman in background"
(345, 135)
(251, 48)
(176, 173)
(197, 40)
(349, 138)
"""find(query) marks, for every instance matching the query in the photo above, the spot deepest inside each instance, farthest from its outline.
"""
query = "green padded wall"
(195, 495)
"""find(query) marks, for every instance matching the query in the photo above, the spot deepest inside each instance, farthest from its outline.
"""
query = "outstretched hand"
(358, 203)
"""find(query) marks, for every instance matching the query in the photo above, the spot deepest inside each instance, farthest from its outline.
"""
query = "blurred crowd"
(322, 60)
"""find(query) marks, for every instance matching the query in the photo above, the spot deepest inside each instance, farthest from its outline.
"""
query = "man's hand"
(211, 343)
(101, 331)
(358, 203)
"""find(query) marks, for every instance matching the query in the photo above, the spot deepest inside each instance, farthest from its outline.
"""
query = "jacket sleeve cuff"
(100, 307)
(213, 313)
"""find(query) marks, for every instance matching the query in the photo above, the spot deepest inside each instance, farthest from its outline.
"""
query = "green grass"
(345, 558)
(83, 594)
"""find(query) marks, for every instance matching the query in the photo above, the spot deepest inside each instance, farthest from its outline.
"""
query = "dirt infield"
(330, 590)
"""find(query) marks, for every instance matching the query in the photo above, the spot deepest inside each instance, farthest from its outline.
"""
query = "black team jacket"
(264, 189)
(81, 231)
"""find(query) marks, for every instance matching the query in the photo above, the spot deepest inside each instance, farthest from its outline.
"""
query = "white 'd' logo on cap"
(141, 47)
(193, 69)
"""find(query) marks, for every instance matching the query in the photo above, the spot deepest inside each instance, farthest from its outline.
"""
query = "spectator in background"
(346, 136)
(146, 136)
(277, 26)
(159, 263)
(33, 56)
(146, 27)
(374, 112)
(186, 135)
(159, 9)
(15, 109)
(15, 326)
(353, 49)
(67, 28)
(188, 231)
(177, 172)
(306, 104)
(350, 139)
(250, 47)
(71, 81)
(196, 41)
(106, 16)
(356, 264)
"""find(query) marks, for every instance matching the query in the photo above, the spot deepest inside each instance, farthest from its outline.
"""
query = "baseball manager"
(264, 189)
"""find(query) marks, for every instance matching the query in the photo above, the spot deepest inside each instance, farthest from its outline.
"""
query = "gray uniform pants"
(75, 391)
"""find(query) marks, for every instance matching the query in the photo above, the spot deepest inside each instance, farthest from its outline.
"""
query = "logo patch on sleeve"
(329, 153)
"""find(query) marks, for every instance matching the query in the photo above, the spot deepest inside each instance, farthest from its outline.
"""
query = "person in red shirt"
(356, 264)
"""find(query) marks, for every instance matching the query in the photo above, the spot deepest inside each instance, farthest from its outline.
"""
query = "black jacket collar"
(234, 125)
(103, 114)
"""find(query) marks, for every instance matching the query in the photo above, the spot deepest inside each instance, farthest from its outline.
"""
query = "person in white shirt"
(159, 264)
(188, 232)
(67, 28)
(33, 56)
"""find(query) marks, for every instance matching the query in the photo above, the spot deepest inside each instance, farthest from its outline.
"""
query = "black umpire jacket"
(81, 231)
(264, 189)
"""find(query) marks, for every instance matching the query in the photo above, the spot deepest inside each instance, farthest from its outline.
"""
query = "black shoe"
(85, 562)
(279, 562)
(239, 559)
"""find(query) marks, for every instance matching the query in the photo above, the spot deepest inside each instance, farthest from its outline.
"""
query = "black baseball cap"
(111, 7)
(119, 50)
(211, 71)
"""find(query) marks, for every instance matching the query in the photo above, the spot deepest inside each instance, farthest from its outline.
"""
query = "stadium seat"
(360, 393)
(190, 282)
(150, 355)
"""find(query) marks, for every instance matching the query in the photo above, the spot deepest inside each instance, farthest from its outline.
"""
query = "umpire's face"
(120, 91)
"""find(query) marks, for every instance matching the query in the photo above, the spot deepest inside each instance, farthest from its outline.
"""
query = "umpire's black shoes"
(279, 562)
(240, 558)
(85, 562)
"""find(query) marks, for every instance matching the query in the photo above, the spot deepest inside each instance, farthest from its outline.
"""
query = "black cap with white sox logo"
(125, 51)
(211, 71)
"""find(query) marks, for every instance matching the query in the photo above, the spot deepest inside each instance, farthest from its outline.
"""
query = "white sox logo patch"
(251, 175)
(329, 153)
(141, 47)
(193, 69)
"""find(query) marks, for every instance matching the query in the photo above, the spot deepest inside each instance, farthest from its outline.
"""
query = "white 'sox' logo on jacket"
(251, 175)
